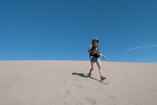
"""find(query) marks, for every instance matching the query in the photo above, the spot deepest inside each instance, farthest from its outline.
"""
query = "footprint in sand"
(67, 92)
(89, 100)
(78, 86)
(75, 79)
(110, 97)
(62, 83)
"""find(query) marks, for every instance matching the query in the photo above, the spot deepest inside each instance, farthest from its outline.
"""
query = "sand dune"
(65, 83)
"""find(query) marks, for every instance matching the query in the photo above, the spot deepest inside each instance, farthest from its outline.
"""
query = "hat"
(94, 40)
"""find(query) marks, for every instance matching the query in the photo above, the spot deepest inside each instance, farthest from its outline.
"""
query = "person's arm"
(103, 56)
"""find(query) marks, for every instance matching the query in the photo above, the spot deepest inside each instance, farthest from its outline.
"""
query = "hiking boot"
(89, 75)
(102, 78)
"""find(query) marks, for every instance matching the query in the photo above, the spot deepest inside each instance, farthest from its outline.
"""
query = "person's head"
(95, 41)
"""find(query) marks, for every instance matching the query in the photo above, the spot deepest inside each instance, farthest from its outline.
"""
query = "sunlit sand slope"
(65, 83)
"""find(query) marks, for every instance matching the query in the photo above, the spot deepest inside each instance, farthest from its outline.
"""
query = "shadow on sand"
(81, 74)
(85, 76)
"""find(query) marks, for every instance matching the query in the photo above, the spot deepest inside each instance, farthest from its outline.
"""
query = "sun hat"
(94, 40)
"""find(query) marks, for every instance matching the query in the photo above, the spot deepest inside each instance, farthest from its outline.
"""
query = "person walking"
(94, 58)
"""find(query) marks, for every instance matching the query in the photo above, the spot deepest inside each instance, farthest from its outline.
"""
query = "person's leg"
(100, 69)
(92, 68)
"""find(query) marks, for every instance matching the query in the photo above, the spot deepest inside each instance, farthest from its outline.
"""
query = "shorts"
(93, 60)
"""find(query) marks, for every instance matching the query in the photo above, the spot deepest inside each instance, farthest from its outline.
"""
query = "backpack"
(97, 54)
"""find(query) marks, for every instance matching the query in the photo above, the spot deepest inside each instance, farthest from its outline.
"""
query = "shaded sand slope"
(65, 83)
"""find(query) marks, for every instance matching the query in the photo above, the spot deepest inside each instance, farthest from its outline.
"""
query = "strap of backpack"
(93, 46)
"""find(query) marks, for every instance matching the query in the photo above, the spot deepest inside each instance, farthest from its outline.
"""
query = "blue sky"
(63, 29)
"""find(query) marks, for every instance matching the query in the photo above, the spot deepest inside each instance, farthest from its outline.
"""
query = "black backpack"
(97, 54)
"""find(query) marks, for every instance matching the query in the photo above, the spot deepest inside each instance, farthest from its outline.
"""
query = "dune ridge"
(65, 83)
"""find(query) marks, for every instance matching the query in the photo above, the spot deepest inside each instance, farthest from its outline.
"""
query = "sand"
(65, 83)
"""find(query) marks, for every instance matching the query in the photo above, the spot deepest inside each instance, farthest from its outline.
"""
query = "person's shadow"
(85, 75)
(80, 74)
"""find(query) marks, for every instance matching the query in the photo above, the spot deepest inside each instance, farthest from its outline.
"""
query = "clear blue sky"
(63, 29)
